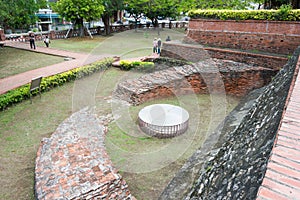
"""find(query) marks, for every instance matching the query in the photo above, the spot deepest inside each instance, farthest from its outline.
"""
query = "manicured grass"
(23, 126)
(148, 164)
(21, 129)
(15, 61)
(78, 44)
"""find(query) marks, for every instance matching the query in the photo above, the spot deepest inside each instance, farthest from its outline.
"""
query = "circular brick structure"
(163, 120)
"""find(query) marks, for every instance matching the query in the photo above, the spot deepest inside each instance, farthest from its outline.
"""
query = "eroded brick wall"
(194, 53)
(202, 78)
(269, 36)
(73, 163)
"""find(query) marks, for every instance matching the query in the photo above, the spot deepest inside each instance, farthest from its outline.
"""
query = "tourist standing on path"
(47, 41)
(158, 45)
(155, 45)
(32, 40)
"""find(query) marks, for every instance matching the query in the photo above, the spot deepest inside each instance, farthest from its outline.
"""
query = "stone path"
(75, 60)
(282, 179)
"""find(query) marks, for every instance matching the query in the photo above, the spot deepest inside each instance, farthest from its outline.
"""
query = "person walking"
(155, 45)
(158, 45)
(47, 41)
(32, 40)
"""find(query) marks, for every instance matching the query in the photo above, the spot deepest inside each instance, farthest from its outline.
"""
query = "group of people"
(157, 44)
(32, 40)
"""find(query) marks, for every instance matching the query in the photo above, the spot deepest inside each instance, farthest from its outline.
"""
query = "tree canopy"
(78, 11)
(19, 14)
(111, 7)
(153, 8)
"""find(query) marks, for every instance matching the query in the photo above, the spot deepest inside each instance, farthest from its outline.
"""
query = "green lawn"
(15, 61)
(81, 45)
(24, 125)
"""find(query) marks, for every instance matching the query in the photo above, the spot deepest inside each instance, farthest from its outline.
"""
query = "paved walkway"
(75, 60)
(282, 179)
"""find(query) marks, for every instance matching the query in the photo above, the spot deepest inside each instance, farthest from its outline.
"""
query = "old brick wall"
(269, 36)
(73, 163)
(194, 53)
(201, 78)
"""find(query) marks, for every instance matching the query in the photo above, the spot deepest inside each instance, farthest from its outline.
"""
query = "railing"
(163, 131)
(100, 30)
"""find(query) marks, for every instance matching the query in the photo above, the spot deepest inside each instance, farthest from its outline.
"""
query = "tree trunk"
(105, 19)
(81, 27)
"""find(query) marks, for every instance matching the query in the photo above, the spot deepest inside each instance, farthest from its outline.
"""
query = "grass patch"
(23, 126)
(21, 129)
(15, 61)
(131, 152)
(78, 44)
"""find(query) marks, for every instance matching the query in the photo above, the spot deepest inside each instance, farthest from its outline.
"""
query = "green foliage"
(139, 65)
(78, 11)
(19, 14)
(111, 7)
(283, 14)
(72, 10)
(153, 8)
(186, 5)
(19, 94)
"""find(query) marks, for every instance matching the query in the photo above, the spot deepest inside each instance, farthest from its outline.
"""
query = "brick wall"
(233, 78)
(269, 36)
(196, 53)
(73, 163)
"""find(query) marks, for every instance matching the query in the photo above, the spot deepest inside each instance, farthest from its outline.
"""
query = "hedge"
(139, 65)
(283, 14)
(19, 94)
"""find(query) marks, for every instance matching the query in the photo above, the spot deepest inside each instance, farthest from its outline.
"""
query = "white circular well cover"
(163, 115)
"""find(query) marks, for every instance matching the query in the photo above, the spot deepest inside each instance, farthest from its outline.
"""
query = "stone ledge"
(73, 163)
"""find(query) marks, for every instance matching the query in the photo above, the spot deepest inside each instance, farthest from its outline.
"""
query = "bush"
(139, 65)
(285, 13)
(19, 94)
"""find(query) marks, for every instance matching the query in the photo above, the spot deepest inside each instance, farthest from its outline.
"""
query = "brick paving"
(282, 178)
(75, 60)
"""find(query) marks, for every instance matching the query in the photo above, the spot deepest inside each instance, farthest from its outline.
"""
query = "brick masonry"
(73, 163)
(268, 36)
(283, 170)
(208, 76)
(196, 52)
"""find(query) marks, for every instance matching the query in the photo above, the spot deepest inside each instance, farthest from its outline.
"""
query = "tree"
(275, 4)
(111, 7)
(161, 8)
(19, 14)
(78, 11)
(153, 8)
(135, 8)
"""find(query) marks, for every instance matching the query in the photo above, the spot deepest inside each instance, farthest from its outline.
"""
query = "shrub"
(285, 13)
(19, 94)
(139, 65)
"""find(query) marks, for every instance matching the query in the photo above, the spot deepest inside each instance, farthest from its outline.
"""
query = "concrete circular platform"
(163, 120)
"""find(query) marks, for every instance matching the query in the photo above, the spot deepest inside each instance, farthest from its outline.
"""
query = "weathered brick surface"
(268, 36)
(73, 163)
(203, 77)
(194, 53)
